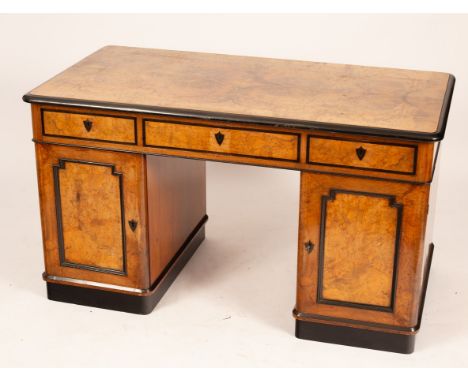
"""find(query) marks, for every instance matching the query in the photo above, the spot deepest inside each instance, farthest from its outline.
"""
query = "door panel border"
(58, 207)
(392, 203)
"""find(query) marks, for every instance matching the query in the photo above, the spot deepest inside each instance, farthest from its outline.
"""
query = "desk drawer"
(219, 140)
(392, 158)
(89, 126)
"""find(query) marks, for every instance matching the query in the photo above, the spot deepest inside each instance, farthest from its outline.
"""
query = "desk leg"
(361, 251)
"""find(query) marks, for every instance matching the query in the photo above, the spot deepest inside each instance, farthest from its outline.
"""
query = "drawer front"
(89, 126)
(392, 158)
(219, 140)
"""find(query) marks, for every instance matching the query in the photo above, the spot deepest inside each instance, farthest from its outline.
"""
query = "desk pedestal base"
(344, 335)
(131, 303)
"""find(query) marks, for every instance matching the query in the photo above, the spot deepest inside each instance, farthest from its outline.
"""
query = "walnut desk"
(121, 142)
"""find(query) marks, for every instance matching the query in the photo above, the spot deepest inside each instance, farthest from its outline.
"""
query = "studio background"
(231, 305)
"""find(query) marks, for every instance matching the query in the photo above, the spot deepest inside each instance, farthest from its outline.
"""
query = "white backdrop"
(231, 306)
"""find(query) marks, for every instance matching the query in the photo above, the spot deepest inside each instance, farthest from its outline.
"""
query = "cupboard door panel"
(361, 245)
(93, 207)
(358, 249)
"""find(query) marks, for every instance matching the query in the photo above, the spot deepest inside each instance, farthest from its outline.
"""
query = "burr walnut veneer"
(121, 143)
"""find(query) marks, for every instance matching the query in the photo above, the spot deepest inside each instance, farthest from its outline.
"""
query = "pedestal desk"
(121, 142)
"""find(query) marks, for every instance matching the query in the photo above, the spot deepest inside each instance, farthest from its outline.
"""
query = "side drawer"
(383, 157)
(232, 141)
(94, 127)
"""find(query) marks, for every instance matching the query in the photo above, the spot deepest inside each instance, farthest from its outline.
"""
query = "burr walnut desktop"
(121, 142)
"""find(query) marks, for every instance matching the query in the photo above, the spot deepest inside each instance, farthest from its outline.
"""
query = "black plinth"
(344, 335)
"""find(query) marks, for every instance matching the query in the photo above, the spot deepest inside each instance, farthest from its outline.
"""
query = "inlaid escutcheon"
(93, 127)
(390, 158)
(240, 142)
(358, 249)
(90, 216)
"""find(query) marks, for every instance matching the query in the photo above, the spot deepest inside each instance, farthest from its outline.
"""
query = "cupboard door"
(360, 249)
(93, 207)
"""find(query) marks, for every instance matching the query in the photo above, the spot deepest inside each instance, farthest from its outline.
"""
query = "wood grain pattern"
(359, 249)
(176, 204)
(404, 100)
(385, 157)
(105, 128)
(237, 142)
(91, 215)
(414, 201)
(134, 194)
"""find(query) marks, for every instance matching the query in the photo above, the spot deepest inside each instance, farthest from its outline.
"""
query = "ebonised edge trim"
(321, 257)
(440, 133)
(278, 122)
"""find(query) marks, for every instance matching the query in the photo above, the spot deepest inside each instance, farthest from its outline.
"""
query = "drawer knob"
(361, 152)
(88, 125)
(219, 137)
(133, 224)
(309, 246)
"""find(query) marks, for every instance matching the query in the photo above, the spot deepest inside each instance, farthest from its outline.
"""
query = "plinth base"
(344, 335)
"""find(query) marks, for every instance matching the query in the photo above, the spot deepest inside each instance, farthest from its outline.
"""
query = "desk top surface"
(345, 98)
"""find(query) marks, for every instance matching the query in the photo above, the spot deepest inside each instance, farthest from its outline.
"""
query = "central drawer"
(230, 141)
